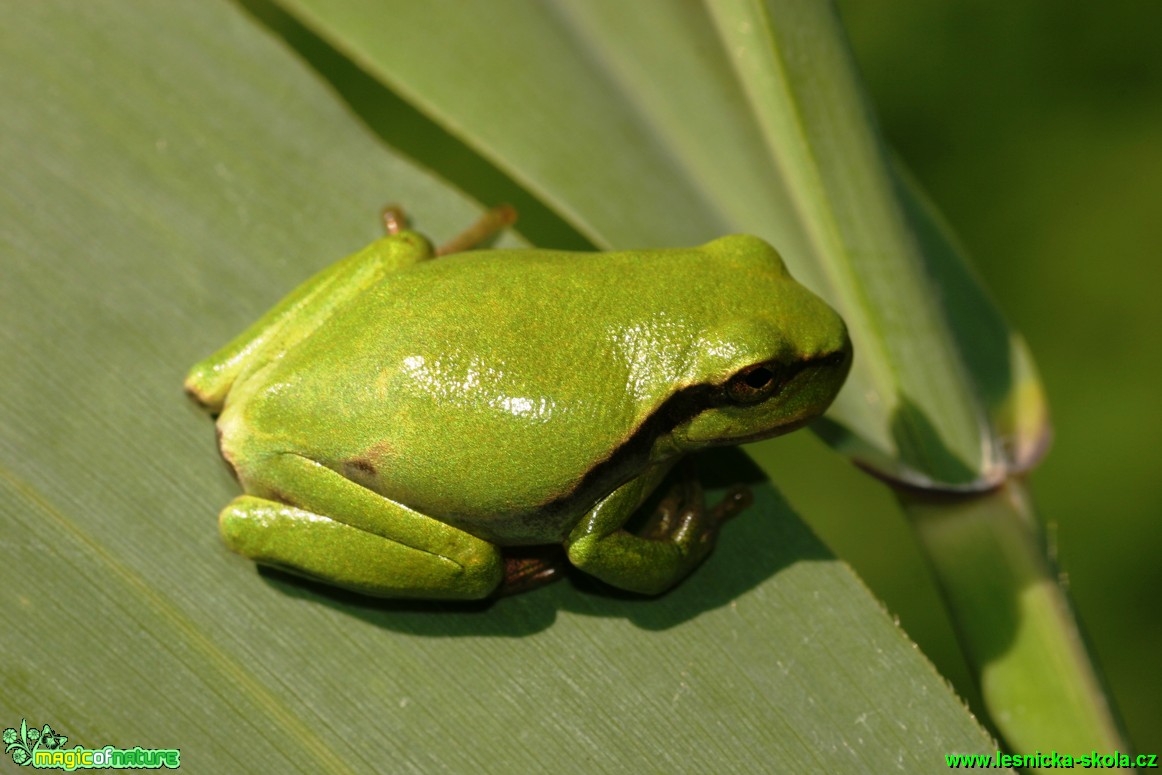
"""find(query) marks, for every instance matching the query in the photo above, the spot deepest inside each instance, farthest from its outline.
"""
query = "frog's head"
(772, 363)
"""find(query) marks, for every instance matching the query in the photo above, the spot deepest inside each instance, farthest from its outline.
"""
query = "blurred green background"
(1036, 127)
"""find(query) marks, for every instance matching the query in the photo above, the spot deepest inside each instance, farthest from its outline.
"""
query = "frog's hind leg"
(327, 550)
(301, 313)
(329, 528)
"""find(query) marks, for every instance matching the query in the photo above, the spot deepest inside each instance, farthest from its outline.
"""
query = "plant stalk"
(1015, 621)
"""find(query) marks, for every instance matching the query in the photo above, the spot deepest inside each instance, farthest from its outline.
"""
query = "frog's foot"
(682, 517)
(529, 567)
(678, 535)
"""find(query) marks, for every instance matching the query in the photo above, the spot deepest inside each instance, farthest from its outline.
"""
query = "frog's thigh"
(349, 536)
(301, 312)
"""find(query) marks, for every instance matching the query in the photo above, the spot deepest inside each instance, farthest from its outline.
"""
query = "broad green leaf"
(169, 170)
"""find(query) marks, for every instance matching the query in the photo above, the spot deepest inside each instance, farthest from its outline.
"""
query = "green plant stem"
(1015, 622)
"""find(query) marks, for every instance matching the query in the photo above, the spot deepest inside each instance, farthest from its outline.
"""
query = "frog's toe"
(735, 500)
(529, 567)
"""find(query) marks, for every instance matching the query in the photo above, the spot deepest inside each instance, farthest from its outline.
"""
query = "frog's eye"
(753, 384)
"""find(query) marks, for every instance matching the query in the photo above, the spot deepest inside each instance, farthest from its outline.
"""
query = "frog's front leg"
(675, 540)
(330, 528)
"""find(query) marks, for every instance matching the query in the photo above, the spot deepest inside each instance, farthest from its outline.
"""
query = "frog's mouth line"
(775, 432)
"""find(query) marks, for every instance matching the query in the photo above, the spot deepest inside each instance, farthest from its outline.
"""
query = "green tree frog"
(408, 422)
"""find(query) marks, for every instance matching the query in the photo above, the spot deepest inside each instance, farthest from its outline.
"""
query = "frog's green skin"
(400, 417)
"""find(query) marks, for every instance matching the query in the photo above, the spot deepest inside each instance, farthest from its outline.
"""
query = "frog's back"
(497, 390)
